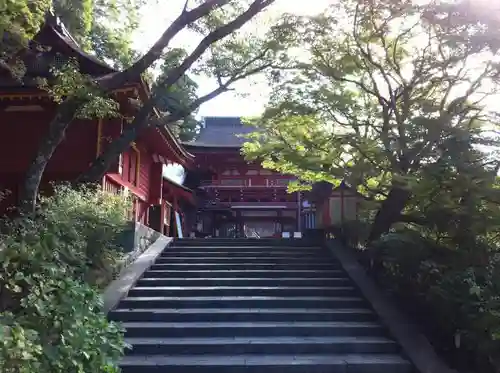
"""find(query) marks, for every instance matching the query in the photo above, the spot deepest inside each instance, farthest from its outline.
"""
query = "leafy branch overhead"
(67, 81)
(71, 106)
(205, 58)
(237, 57)
(377, 93)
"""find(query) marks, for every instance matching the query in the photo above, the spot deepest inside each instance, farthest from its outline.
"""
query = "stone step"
(234, 291)
(241, 248)
(252, 329)
(185, 252)
(242, 314)
(242, 281)
(261, 345)
(241, 302)
(352, 363)
(251, 306)
(244, 273)
(245, 260)
(245, 242)
(244, 266)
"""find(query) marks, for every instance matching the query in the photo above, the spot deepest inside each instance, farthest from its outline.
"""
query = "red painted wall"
(20, 136)
(142, 212)
(110, 129)
(146, 163)
(142, 186)
(21, 133)
(252, 174)
(224, 161)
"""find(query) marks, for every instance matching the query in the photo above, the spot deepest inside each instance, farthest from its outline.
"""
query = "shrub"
(51, 267)
(462, 299)
(87, 223)
(355, 233)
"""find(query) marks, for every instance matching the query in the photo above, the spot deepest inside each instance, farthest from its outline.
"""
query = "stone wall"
(136, 239)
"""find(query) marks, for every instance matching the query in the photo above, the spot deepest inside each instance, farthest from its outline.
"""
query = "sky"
(155, 19)
(158, 15)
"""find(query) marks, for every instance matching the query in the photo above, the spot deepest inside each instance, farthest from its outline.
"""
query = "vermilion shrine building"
(222, 195)
(240, 198)
(25, 114)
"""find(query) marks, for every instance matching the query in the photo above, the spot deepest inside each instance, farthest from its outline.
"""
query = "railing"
(280, 182)
(233, 182)
(246, 183)
(111, 187)
(277, 204)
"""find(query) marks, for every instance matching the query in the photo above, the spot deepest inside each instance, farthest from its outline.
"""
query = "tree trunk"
(389, 212)
(67, 110)
(57, 130)
(119, 145)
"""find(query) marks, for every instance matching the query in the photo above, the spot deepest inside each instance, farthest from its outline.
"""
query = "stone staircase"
(253, 306)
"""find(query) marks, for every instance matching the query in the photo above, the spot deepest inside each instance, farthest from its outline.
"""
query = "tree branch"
(57, 129)
(155, 52)
(68, 109)
(142, 119)
(214, 36)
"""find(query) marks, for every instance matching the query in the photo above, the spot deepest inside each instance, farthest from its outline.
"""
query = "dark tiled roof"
(221, 132)
(38, 61)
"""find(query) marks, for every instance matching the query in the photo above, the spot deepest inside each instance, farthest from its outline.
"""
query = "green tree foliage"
(51, 317)
(77, 17)
(103, 27)
(377, 94)
(20, 20)
(178, 97)
(229, 51)
(67, 82)
(71, 106)
(398, 100)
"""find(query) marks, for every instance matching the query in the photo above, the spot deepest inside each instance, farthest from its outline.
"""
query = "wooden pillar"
(342, 213)
(174, 210)
(156, 185)
(280, 221)
(327, 221)
(239, 222)
(163, 211)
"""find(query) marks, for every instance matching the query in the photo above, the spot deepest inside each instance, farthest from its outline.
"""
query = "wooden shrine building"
(25, 114)
(334, 206)
(236, 198)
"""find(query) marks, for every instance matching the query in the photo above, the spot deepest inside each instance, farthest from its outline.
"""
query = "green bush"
(460, 292)
(87, 223)
(355, 232)
(51, 269)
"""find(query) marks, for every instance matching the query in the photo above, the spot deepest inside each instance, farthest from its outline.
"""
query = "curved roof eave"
(53, 23)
